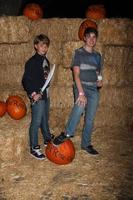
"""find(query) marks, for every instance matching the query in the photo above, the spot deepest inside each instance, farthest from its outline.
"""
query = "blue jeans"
(92, 95)
(39, 119)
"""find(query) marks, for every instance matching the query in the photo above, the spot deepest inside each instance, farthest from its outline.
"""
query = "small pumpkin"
(61, 154)
(96, 12)
(2, 108)
(86, 24)
(16, 107)
(33, 11)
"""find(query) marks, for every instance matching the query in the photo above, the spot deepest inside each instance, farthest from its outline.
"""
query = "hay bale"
(71, 29)
(62, 30)
(54, 28)
(55, 53)
(39, 26)
(11, 74)
(58, 117)
(14, 29)
(116, 31)
(61, 97)
(116, 96)
(64, 77)
(118, 65)
(13, 137)
(15, 54)
(112, 116)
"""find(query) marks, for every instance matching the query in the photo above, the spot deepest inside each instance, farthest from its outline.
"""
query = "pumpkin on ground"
(86, 24)
(2, 108)
(33, 11)
(16, 107)
(61, 154)
(96, 12)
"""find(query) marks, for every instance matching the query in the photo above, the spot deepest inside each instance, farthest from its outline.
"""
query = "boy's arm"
(81, 100)
(27, 80)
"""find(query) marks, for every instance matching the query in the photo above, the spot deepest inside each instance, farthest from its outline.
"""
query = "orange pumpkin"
(2, 108)
(16, 107)
(96, 12)
(61, 154)
(33, 11)
(86, 24)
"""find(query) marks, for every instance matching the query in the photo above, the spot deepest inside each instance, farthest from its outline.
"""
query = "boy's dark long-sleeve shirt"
(33, 77)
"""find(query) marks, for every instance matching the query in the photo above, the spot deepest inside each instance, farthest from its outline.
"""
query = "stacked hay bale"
(116, 107)
(115, 43)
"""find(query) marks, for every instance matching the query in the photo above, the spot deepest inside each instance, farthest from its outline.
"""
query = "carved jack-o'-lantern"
(16, 107)
(33, 11)
(2, 108)
(96, 12)
(86, 24)
(61, 154)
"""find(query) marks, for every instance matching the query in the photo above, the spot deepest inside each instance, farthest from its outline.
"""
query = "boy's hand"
(99, 83)
(37, 96)
(45, 75)
(81, 100)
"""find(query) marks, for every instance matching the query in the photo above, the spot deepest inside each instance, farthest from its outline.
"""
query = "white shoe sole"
(37, 158)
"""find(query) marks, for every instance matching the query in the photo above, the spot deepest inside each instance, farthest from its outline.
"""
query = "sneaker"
(61, 138)
(36, 153)
(90, 150)
(52, 136)
(48, 140)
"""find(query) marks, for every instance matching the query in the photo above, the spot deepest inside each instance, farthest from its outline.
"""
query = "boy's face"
(90, 39)
(41, 48)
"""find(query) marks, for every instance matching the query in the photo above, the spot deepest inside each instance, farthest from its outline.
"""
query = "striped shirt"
(89, 64)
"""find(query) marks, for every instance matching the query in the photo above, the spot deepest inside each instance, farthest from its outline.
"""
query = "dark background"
(68, 8)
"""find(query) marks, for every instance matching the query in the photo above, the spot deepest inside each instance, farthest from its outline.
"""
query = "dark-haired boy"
(86, 66)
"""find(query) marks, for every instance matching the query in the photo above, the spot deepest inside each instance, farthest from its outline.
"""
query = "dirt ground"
(107, 176)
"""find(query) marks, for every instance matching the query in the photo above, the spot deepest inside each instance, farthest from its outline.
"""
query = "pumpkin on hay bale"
(2, 108)
(96, 12)
(86, 24)
(16, 107)
(33, 11)
(61, 154)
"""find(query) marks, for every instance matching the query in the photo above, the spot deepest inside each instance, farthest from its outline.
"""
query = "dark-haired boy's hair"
(42, 38)
(90, 30)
